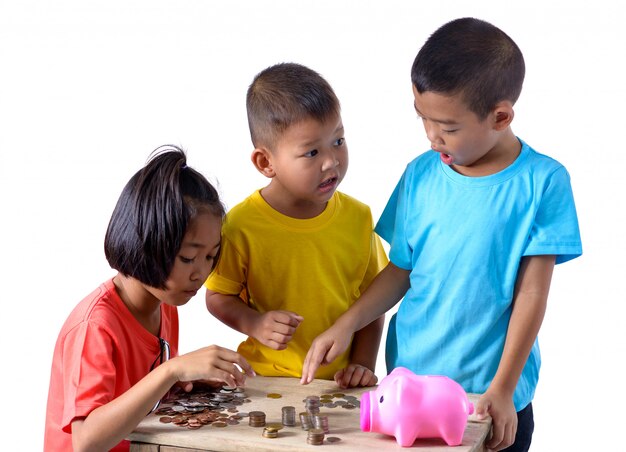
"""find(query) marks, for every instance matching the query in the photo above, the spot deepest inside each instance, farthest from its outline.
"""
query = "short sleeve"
(89, 372)
(391, 227)
(229, 275)
(555, 229)
(377, 261)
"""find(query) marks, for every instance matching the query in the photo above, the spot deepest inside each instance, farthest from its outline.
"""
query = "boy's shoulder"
(540, 162)
(344, 200)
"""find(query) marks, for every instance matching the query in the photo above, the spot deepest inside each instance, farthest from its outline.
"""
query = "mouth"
(447, 159)
(328, 183)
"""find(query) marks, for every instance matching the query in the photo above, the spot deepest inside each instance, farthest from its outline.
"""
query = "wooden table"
(154, 436)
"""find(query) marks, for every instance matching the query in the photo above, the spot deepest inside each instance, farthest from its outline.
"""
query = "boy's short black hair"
(283, 95)
(471, 58)
(150, 219)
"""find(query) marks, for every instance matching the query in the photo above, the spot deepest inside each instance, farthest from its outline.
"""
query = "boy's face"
(464, 141)
(194, 261)
(307, 164)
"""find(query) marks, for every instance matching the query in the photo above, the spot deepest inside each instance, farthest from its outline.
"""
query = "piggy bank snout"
(366, 411)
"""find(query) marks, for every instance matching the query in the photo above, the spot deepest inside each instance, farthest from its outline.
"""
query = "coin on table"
(219, 424)
(274, 426)
(333, 439)
(274, 395)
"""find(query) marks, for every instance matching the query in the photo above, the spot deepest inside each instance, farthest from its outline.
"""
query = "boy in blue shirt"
(476, 225)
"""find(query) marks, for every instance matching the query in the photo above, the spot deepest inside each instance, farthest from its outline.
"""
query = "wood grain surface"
(152, 435)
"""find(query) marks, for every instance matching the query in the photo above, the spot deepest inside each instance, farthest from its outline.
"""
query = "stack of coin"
(321, 422)
(289, 416)
(305, 421)
(257, 418)
(315, 437)
(270, 432)
(312, 404)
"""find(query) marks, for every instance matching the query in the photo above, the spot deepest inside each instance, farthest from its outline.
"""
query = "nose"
(201, 271)
(432, 133)
(330, 160)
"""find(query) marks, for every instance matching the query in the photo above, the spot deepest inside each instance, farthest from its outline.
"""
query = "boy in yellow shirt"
(297, 253)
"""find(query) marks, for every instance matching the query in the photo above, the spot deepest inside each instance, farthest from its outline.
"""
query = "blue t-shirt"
(463, 238)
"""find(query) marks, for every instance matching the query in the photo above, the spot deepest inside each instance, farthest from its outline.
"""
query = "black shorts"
(525, 429)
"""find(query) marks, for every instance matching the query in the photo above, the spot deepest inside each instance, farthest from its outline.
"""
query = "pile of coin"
(315, 437)
(321, 422)
(348, 402)
(305, 421)
(204, 406)
(256, 418)
(312, 404)
(289, 416)
(270, 433)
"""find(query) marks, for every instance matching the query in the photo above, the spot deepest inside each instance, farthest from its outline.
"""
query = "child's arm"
(529, 306)
(384, 292)
(273, 329)
(360, 371)
(108, 424)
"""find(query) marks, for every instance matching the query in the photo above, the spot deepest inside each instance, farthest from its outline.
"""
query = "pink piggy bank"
(410, 406)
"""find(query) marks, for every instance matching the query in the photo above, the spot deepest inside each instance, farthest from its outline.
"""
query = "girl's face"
(193, 262)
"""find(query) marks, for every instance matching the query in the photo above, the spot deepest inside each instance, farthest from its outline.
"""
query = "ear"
(502, 115)
(262, 161)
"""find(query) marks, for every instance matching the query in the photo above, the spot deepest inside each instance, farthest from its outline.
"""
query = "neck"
(502, 155)
(144, 306)
(293, 208)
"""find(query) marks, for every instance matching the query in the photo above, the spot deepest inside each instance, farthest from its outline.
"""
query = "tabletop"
(269, 395)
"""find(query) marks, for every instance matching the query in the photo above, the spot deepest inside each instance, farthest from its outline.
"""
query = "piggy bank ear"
(407, 391)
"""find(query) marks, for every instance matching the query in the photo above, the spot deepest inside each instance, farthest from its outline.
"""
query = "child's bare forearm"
(529, 306)
(232, 311)
(384, 292)
(365, 344)
(109, 424)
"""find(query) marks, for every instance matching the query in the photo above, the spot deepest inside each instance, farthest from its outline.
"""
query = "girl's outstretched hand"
(213, 364)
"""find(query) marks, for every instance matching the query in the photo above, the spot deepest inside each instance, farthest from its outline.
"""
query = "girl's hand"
(214, 364)
(355, 375)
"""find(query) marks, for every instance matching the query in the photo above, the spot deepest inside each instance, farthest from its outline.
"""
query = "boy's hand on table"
(503, 416)
(274, 329)
(355, 375)
(324, 349)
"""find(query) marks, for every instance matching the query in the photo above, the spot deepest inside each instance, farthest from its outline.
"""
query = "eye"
(449, 131)
(382, 399)
(186, 260)
(340, 142)
(311, 153)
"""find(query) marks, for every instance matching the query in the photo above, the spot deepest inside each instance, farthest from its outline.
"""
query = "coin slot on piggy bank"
(409, 406)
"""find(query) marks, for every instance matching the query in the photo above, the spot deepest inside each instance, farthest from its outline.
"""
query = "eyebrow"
(448, 122)
(315, 141)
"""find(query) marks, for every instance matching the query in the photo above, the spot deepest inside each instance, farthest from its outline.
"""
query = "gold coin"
(274, 395)
(273, 426)
(219, 424)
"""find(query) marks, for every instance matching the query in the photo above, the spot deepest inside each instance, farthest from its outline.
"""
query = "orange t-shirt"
(101, 352)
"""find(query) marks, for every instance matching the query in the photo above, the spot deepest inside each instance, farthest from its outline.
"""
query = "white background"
(89, 88)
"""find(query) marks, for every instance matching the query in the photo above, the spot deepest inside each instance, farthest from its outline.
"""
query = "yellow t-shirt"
(314, 267)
